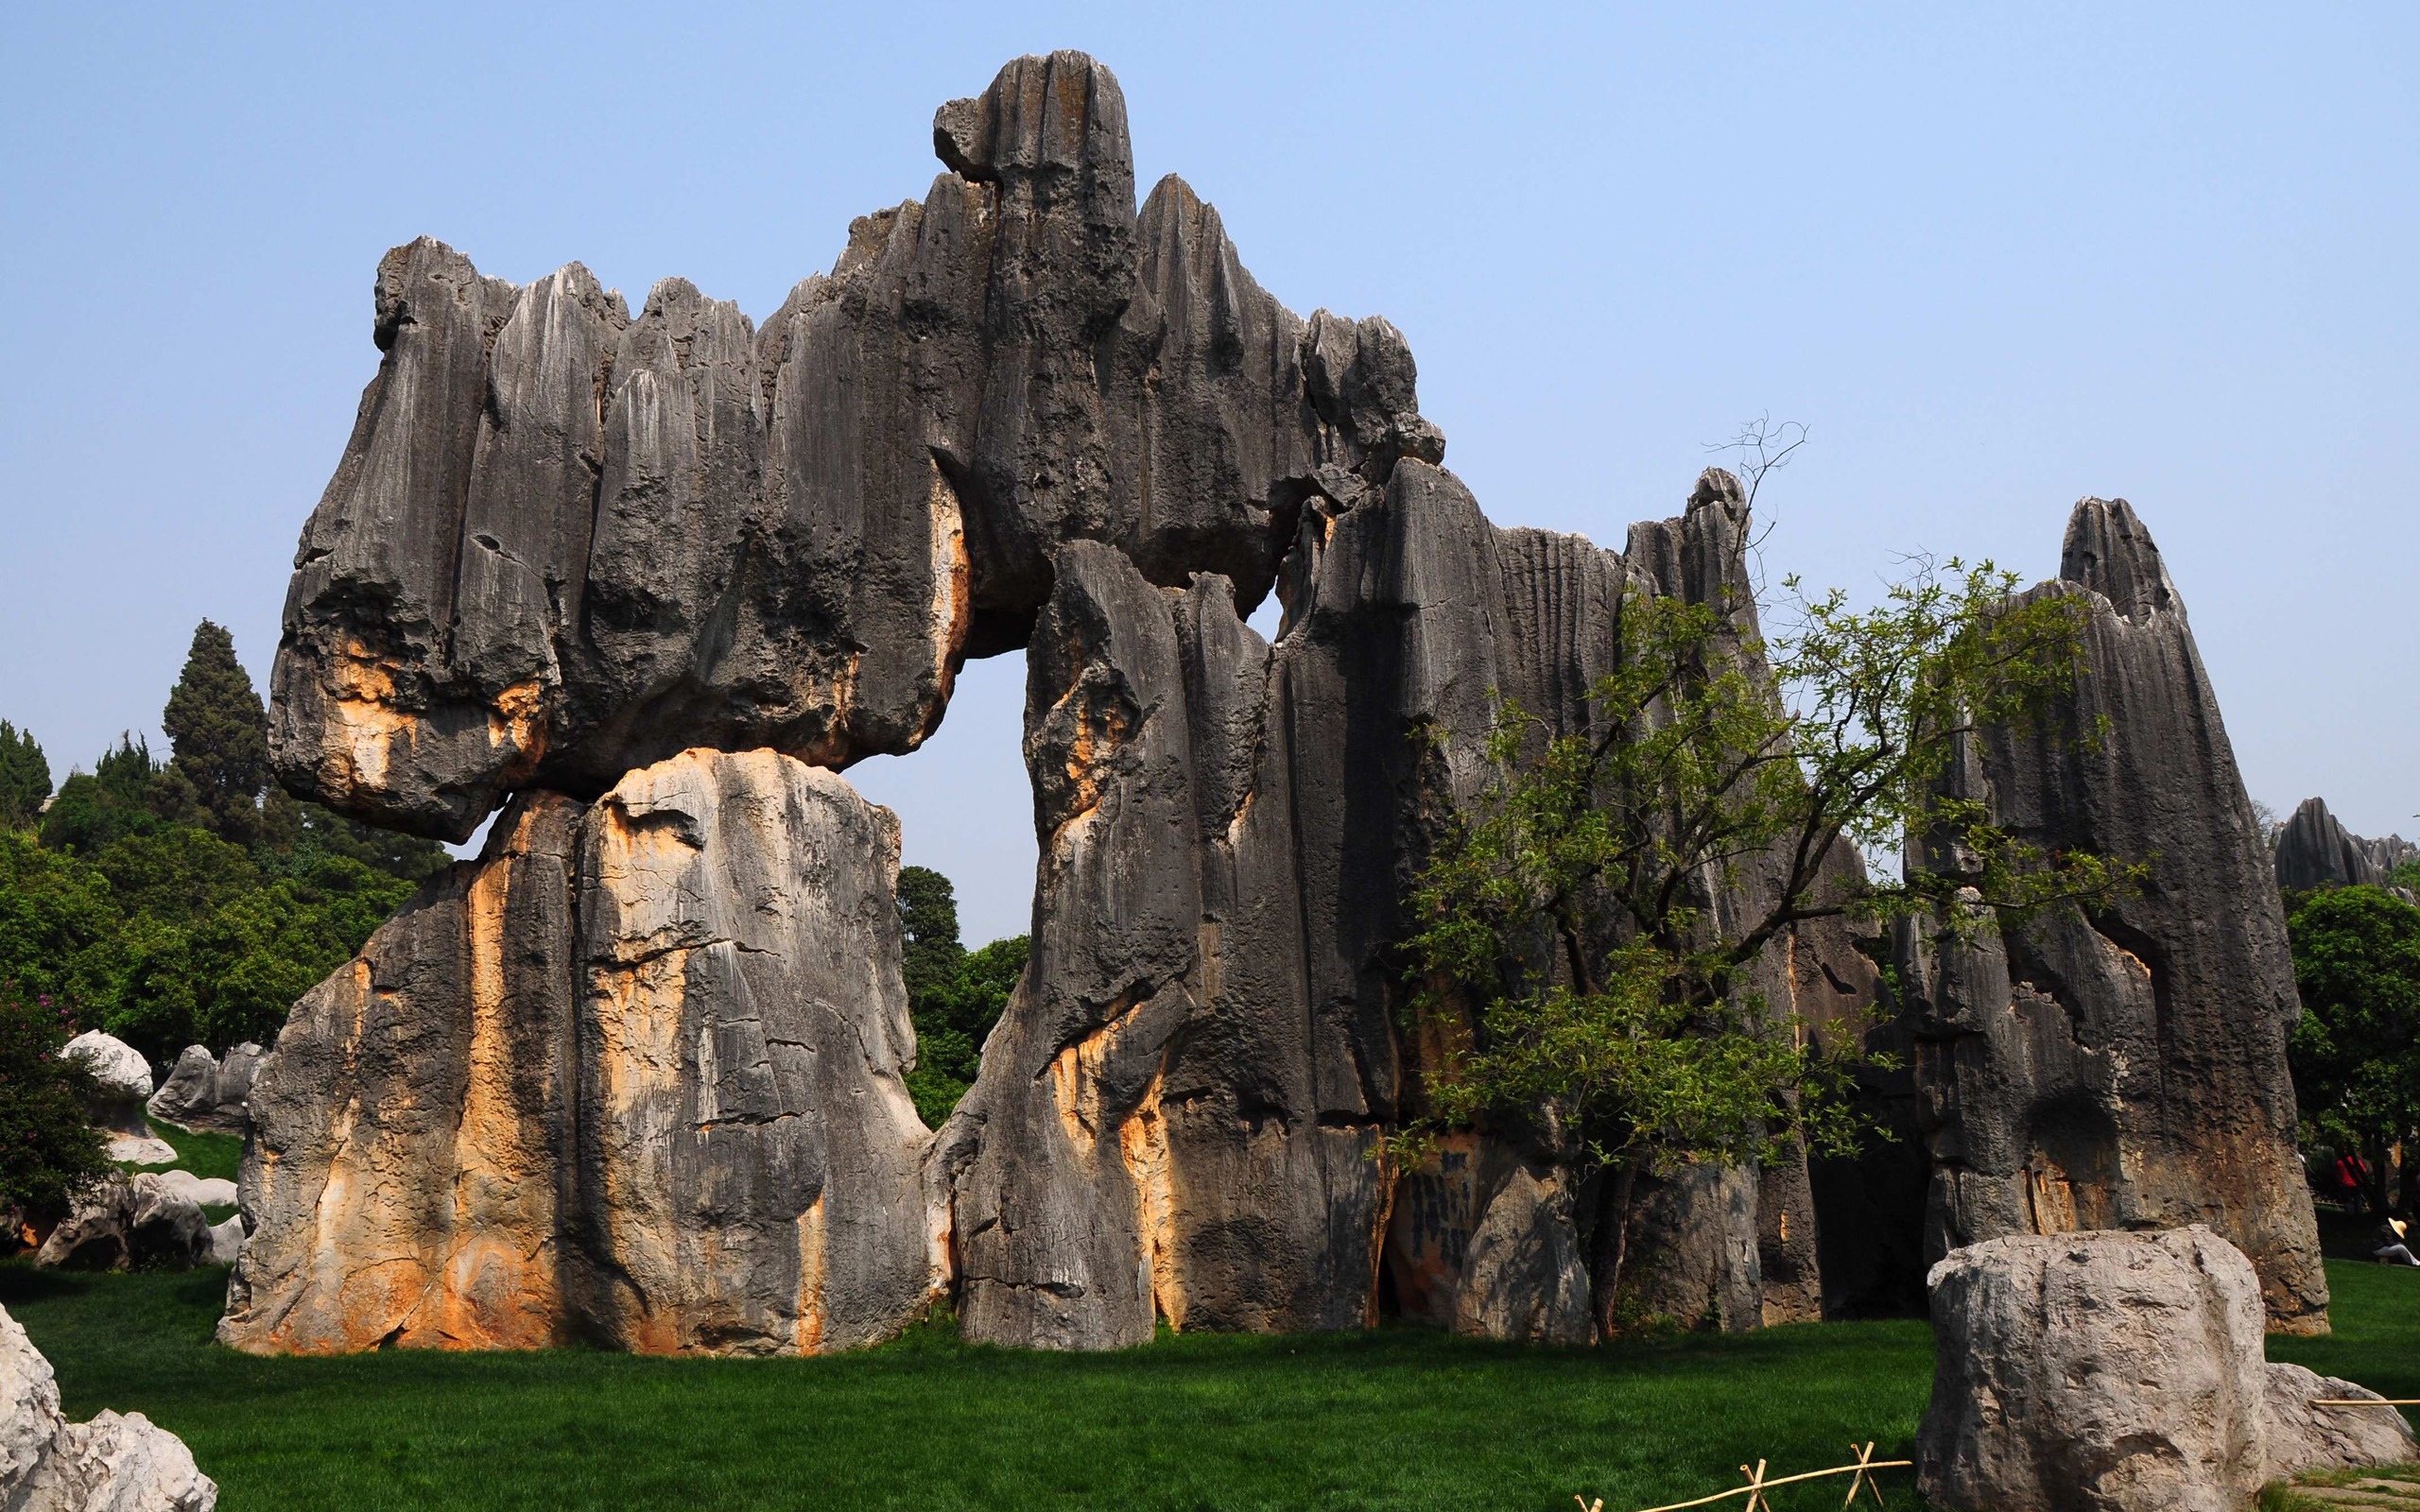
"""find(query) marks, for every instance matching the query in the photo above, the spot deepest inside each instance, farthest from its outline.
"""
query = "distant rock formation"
(2315, 851)
(2126, 1070)
(631, 574)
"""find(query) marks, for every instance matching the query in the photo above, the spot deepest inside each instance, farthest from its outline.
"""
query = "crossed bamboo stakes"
(1861, 1473)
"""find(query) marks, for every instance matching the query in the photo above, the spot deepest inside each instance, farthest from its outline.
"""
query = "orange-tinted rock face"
(402, 1183)
(632, 1077)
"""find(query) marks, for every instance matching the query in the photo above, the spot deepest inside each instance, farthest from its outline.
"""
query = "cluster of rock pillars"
(634, 1075)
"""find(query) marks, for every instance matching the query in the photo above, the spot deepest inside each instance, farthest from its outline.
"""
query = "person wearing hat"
(2391, 1248)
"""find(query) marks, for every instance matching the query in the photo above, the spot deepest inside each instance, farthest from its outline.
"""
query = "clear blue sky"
(1997, 257)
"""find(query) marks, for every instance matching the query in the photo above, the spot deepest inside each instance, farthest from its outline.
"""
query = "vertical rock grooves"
(634, 1075)
(2128, 1070)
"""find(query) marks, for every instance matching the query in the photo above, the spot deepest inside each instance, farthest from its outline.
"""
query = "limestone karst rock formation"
(634, 1075)
(2114, 1372)
(203, 1092)
(2314, 850)
(563, 542)
(114, 1463)
(2125, 1070)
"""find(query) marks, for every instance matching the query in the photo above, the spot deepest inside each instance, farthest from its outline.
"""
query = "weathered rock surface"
(227, 1241)
(122, 1080)
(2125, 1070)
(748, 1171)
(563, 543)
(633, 1076)
(111, 1464)
(143, 1220)
(140, 1149)
(404, 1174)
(2299, 1438)
(93, 1234)
(1177, 1115)
(2315, 851)
(209, 1191)
(575, 1088)
(2095, 1372)
(202, 1093)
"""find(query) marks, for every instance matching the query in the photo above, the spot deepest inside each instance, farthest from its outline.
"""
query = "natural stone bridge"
(634, 1075)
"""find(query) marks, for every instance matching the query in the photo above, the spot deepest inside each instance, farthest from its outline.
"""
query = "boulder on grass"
(92, 1235)
(227, 1241)
(164, 1228)
(2300, 1437)
(205, 1094)
(112, 1463)
(148, 1220)
(209, 1191)
(2101, 1371)
(123, 1080)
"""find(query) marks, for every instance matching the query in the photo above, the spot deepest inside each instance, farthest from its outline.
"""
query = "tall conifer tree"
(25, 777)
(220, 733)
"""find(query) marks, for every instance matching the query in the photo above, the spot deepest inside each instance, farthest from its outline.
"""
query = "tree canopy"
(25, 777)
(220, 734)
(170, 903)
(49, 1150)
(2356, 1051)
(955, 995)
(1572, 972)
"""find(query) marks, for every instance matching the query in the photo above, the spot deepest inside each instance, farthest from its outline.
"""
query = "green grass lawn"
(1398, 1419)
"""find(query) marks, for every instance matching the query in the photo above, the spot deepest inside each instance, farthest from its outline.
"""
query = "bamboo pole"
(2365, 1402)
(1759, 1486)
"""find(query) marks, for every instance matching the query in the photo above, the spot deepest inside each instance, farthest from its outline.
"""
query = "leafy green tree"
(220, 734)
(2356, 1052)
(1571, 973)
(25, 777)
(928, 929)
(953, 995)
(121, 796)
(61, 929)
(49, 1151)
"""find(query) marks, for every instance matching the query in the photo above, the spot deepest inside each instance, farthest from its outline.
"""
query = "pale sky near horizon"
(1996, 257)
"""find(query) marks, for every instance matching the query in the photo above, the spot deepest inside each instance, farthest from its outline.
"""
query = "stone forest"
(639, 589)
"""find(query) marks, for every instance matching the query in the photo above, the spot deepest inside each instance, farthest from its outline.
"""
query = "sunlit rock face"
(2126, 1070)
(404, 1178)
(646, 582)
(633, 1077)
(563, 542)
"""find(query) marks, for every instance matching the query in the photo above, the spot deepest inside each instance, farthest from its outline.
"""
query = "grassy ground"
(1399, 1420)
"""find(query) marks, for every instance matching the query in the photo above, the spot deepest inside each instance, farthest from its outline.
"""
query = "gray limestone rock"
(201, 1092)
(2095, 1372)
(1175, 1116)
(563, 543)
(2300, 1436)
(747, 1176)
(121, 1078)
(111, 1464)
(93, 1234)
(164, 1226)
(2124, 1070)
(227, 1241)
(2315, 851)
